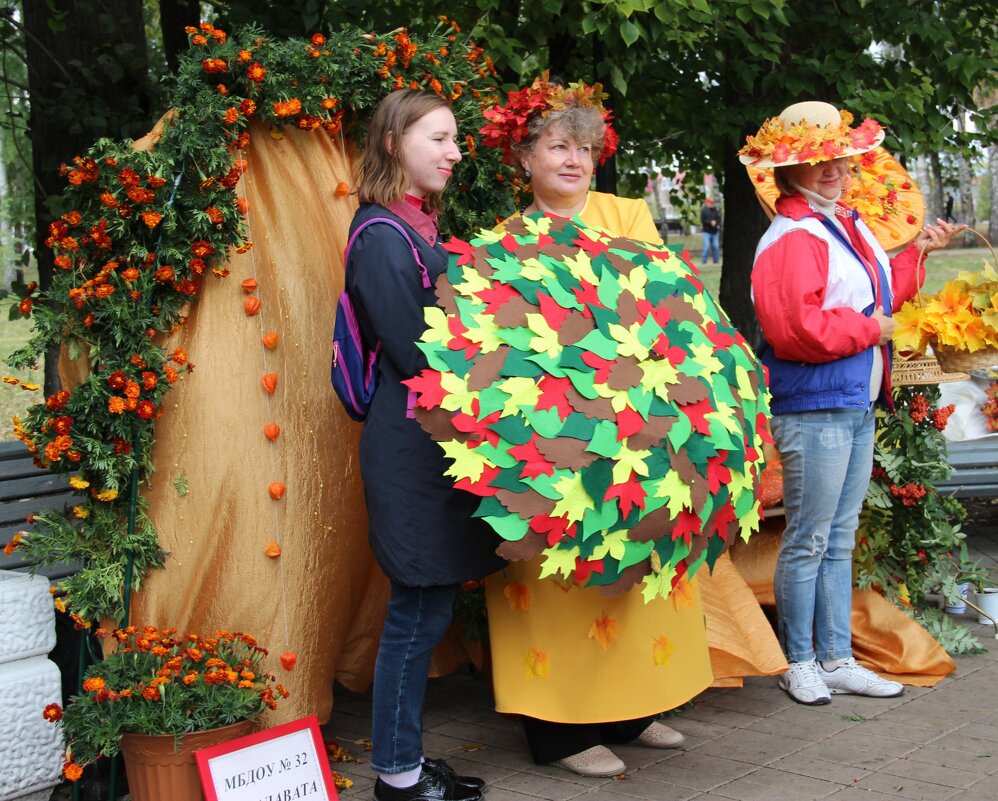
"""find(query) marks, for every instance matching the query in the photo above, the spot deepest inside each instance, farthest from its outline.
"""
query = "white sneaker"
(803, 683)
(853, 678)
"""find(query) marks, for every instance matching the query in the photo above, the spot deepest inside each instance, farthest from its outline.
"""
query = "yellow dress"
(571, 655)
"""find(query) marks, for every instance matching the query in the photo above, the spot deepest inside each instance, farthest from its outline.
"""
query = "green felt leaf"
(578, 426)
(604, 440)
(513, 430)
(546, 422)
(510, 527)
(597, 479)
(599, 344)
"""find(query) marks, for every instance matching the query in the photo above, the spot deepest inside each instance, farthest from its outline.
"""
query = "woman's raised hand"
(938, 236)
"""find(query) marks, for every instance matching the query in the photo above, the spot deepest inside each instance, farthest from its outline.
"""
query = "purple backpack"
(354, 369)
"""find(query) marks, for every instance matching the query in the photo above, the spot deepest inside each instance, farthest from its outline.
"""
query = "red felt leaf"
(460, 247)
(762, 426)
(628, 422)
(509, 243)
(723, 519)
(553, 314)
(591, 247)
(696, 412)
(717, 474)
(479, 429)
(675, 354)
(585, 293)
(719, 338)
(584, 568)
(496, 296)
(534, 462)
(600, 365)
(629, 494)
(552, 395)
(687, 524)
(555, 528)
(427, 386)
(480, 487)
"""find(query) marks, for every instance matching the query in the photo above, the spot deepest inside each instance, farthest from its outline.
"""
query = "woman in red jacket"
(824, 291)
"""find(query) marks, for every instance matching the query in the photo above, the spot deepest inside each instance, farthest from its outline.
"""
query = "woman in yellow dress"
(584, 669)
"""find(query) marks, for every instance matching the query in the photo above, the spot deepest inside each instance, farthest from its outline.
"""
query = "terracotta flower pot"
(157, 771)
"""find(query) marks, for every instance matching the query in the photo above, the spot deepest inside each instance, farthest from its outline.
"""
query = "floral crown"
(783, 142)
(508, 124)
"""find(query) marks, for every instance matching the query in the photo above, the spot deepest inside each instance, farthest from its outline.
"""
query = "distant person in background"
(949, 208)
(710, 222)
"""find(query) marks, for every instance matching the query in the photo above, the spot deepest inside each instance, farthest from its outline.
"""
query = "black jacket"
(710, 220)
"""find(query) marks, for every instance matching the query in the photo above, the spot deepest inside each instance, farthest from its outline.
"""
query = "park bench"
(975, 469)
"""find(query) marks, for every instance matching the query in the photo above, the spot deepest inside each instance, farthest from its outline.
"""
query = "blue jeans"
(418, 618)
(827, 458)
(710, 242)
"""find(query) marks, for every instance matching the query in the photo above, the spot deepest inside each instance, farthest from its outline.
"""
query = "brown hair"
(781, 177)
(383, 178)
(581, 123)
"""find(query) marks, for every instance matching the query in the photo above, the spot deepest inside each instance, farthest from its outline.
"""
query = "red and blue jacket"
(814, 286)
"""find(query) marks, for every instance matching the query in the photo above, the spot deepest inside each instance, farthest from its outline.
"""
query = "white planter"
(987, 600)
(960, 608)
(31, 756)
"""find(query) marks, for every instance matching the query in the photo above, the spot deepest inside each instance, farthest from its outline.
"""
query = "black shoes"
(437, 782)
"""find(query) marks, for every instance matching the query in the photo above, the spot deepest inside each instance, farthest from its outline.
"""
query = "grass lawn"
(942, 266)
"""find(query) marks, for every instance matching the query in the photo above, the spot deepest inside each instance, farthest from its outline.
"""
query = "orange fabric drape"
(324, 598)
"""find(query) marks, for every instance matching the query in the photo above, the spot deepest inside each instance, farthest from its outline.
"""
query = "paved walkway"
(748, 744)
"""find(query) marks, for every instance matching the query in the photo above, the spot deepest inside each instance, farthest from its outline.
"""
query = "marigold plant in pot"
(159, 683)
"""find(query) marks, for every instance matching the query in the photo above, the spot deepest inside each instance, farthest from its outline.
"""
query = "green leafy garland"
(148, 229)
(910, 543)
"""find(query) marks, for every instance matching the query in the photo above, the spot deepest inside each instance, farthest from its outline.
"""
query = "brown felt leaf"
(697, 547)
(683, 466)
(558, 251)
(687, 389)
(680, 310)
(619, 263)
(574, 328)
(437, 422)
(627, 309)
(625, 373)
(515, 226)
(629, 576)
(652, 433)
(513, 313)
(526, 504)
(600, 408)
(486, 368)
(524, 549)
(653, 526)
(699, 490)
(444, 291)
(565, 452)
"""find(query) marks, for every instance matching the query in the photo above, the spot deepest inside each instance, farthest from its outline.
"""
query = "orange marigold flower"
(72, 772)
(60, 605)
(247, 106)
(198, 40)
(93, 684)
(215, 215)
(115, 404)
(256, 72)
(244, 56)
(151, 693)
(151, 218)
(104, 291)
(318, 40)
(139, 194)
(163, 273)
(242, 140)
(63, 262)
(132, 389)
(179, 356)
(128, 177)
(11, 546)
(129, 275)
(190, 678)
(329, 103)
(201, 249)
(231, 116)
(287, 108)
(213, 66)
(149, 380)
(222, 89)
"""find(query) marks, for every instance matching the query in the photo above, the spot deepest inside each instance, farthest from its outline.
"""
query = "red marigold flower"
(179, 356)
(117, 379)
(202, 249)
(121, 447)
(25, 306)
(145, 409)
(55, 402)
(318, 40)
(52, 713)
(128, 177)
(149, 380)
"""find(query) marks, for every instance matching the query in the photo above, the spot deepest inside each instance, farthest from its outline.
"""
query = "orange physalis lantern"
(251, 305)
(273, 550)
(288, 660)
(342, 189)
(270, 340)
(277, 490)
(272, 431)
(270, 382)
(249, 285)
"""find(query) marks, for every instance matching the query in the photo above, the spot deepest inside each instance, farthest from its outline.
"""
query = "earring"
(527, 173)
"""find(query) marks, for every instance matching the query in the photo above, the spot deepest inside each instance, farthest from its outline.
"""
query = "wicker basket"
(920, 370)
(952, 360)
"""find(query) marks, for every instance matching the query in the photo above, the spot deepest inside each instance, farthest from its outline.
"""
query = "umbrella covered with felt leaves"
(591, 392)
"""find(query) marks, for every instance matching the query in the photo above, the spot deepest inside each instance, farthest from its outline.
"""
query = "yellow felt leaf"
(656, 375)
(485, 332)
(575, 500)
(581, 266)
(472, 281)
(458, 397)
(522, 391)
(635, 283)
(699, 303)
(630, 343)
(436, 326)
(703, 356)
(676, 490)
(535, 270)
(538, 226)
(614, 544)
(559, 561)
(468, 463)
(628, 460)
(546, 340)
(658, 585)
(725, 415)
(749, 524)
(604, 630)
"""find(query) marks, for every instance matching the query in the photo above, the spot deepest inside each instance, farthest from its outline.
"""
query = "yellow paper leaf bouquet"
(962, 316)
